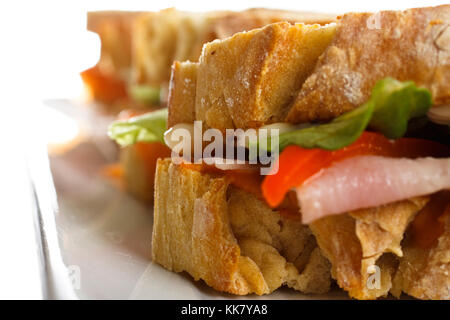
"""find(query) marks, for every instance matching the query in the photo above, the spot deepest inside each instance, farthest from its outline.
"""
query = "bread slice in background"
(229, 238)
(155, 44)
(115, 29)
(139, 164)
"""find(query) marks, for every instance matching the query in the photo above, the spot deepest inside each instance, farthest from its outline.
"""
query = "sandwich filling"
(334, 167)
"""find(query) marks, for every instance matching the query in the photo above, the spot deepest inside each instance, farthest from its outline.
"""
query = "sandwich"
(154, 41)
(343, 173)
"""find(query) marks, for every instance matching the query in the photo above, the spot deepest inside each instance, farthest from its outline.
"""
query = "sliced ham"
(370, 181)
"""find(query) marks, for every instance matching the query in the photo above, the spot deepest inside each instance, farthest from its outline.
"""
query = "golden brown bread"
(155, 44)
(406, 45)
(181, 99)
(424, 273)
(169, 35)
(115, 31)
(353, 242)
(248, 79)
(229, 238)
(230, 23)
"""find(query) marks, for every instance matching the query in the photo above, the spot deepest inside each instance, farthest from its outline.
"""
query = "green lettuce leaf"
(149, 127)
(390, 107)
(395, 104)
(145, 94)
(338, 133)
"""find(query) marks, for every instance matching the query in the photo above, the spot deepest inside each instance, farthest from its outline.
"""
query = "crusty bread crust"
(353, 242)
(424, 273)
(154, 45)
(249, 79)
(406, 45)
(169, 35)
(183, 84)
(229, 238)
(115, 31)
(233, 22)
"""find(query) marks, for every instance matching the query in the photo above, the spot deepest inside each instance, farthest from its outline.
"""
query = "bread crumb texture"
(229, 238)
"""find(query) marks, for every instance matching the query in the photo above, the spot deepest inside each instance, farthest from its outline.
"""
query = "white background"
(43, 47)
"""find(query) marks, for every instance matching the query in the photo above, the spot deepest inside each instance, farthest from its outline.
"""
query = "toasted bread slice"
(169, 35)
(249, 79)
(230, 239)
(356, 241)
(154, 44)
(424, 269)
(230, 23)
(183, 84)
(115, 31)
(406, 45)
